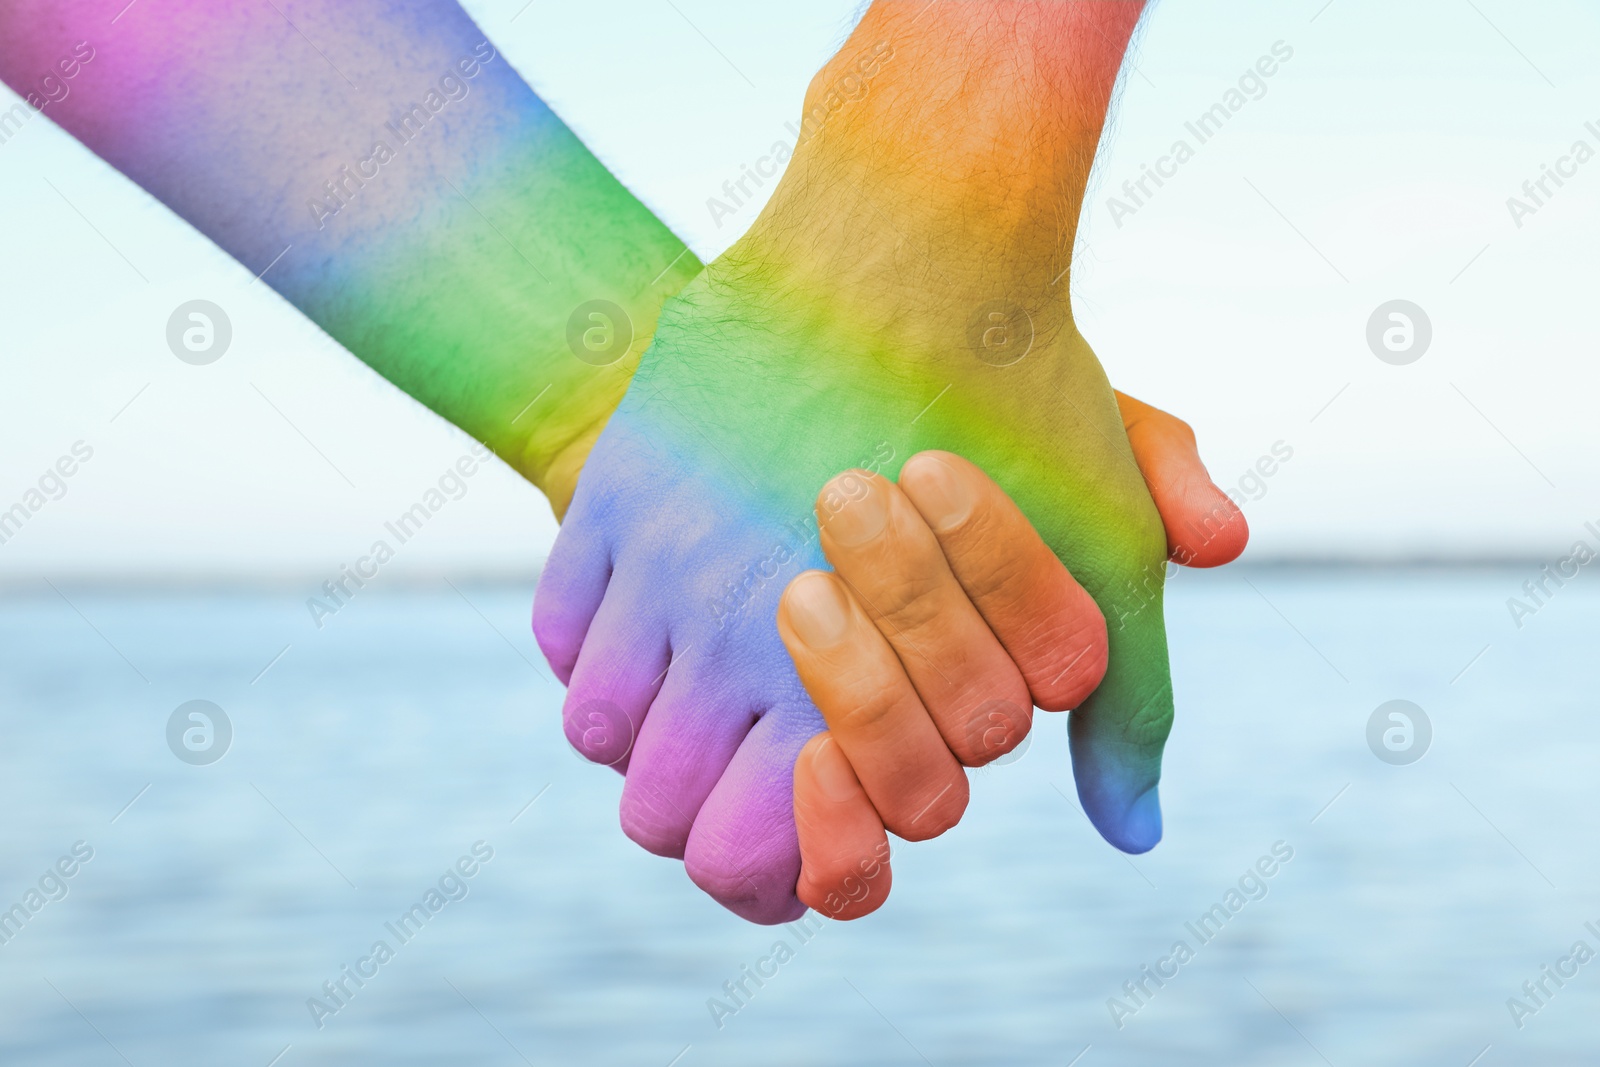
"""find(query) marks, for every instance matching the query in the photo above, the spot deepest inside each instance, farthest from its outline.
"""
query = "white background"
(1377, 166)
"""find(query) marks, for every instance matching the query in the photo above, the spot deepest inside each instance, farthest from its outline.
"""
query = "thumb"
(1118, 734)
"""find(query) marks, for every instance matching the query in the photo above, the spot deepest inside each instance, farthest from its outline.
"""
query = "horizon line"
(284, 578)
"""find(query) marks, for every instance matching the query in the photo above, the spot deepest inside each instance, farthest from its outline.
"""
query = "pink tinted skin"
(827, 339)
(392, 176)
(450, 263)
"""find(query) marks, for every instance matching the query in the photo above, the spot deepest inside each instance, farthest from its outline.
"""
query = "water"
(374, 753)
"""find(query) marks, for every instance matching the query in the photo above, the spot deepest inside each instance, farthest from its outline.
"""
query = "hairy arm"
(397, 181)
(973, 137)
(899, 293)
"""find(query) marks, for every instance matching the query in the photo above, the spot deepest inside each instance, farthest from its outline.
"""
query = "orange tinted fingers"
(1204, 527)
(881, 547)
(872, 711)
(844, 851)
(1048, 623)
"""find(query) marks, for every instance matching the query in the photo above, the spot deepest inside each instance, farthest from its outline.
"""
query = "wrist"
(602, 342)
(963, 132)
(533, 341)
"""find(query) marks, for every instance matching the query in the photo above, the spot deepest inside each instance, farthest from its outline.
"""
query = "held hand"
(945, 620)
(853, 325)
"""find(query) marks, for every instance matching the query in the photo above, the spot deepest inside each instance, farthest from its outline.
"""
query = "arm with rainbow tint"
(410, 193)
(421, 204)
(902, 291)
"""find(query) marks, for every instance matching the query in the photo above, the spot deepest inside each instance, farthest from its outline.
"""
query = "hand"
(882, 677)
(854, 324)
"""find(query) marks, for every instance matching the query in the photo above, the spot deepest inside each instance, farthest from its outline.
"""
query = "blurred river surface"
(369, 757)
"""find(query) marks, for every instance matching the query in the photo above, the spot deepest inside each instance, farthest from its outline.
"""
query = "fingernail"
(862, 510)
(833, 773)
(942, 494)
(817, 610)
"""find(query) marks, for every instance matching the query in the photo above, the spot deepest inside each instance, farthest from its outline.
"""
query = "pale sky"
(1374, 164)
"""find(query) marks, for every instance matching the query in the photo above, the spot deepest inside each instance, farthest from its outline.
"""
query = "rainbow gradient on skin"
(479, 235)
(695, 510)
(225, 113)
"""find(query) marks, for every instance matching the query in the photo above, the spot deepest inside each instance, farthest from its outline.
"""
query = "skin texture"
(451, 264)
(893, 297)
(947, 571)
(450, 259)
(1204, 527)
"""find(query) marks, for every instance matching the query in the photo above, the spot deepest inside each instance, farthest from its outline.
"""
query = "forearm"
(396, 181)
(969, 138)
(939, 174)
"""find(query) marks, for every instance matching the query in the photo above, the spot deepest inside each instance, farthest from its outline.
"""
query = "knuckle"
(843, 885)
(1162, 423)
(912, 601)
(713, 866)
(993, 729)
(650, 821)
(1151, 721)
(999, 575)
(997, 567)
(932, 812)
(1179, 428)
(598, 728)
(557, 638)
(756, 879)
(1072, 659)
(865, 708)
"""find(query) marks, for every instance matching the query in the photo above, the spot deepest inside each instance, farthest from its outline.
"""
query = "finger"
(693, 729)
(883, 550)
(616, 677)
(1117, 735)
(1117, 731)
(844, 852)
(743, 849)
(857, 683)
(571, 586)
(1205, 528)
(1049, 625)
